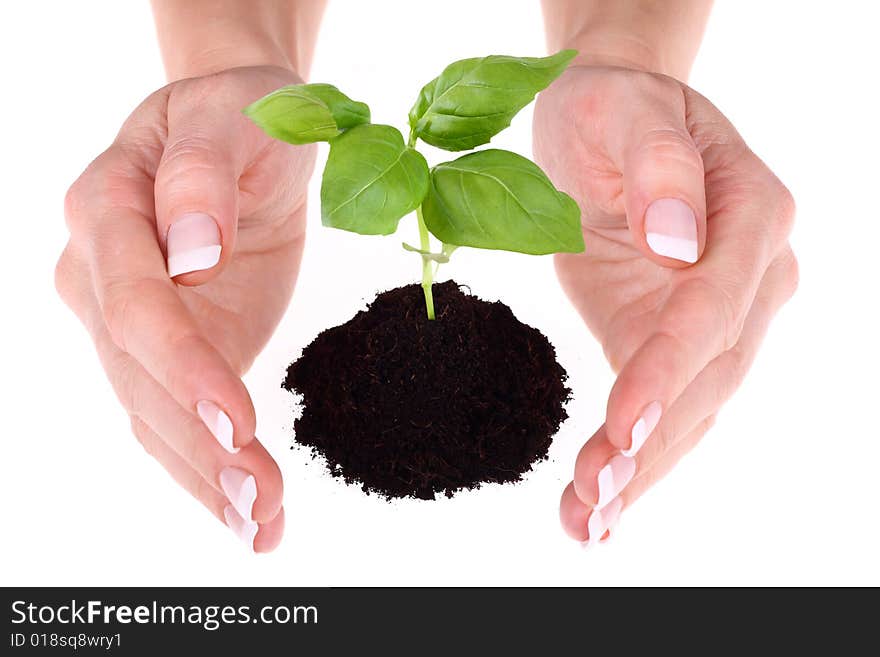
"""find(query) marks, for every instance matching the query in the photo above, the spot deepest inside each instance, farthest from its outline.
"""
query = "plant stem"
(427, 269)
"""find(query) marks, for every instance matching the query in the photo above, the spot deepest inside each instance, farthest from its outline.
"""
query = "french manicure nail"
(643, 428)
(218, 424)
(602, 521)
(241, 490)
(613, 478)
(671, 229)
(246, 530)
(193, 244)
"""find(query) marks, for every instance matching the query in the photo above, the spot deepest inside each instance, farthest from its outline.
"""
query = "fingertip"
(253, 484)
(573, 514)
(232, 424)
(244, 417)
(271, 487)
(225, 406)
(269, 536)
(593, 456)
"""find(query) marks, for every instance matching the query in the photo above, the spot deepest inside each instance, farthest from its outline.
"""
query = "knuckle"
(62, 275)
(91, 189)
(785, 209)
(791, 273)
(669, 143)
(73, 202)
(185, 154)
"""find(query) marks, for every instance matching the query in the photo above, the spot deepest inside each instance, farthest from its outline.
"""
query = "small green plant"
(488, 199)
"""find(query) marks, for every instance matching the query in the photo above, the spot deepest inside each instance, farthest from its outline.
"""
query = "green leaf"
(346, 112)
(372, 180)
(306, 113)
(475, 99)
(496, 199)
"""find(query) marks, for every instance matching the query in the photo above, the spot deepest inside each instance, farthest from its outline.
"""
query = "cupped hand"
(185, 241)
(687, 260)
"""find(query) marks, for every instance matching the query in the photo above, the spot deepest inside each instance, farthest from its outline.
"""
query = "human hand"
(687, 260)
(186, 238)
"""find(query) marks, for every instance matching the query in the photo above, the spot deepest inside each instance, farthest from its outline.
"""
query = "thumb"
(664, 191)
(196, 194)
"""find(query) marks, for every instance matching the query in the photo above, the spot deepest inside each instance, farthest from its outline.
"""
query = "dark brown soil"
(409, 407)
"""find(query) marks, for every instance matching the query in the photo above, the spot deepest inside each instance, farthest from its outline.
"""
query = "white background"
(783, 490)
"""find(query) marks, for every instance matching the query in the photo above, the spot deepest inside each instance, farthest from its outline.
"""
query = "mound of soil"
(409, 407)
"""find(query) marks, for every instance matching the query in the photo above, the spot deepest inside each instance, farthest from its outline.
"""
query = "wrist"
(200, 37)
(621, 49)
(199, 62)
(660, 37)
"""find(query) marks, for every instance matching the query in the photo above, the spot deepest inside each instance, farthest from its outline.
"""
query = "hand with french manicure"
(185, 241)
(687, 260)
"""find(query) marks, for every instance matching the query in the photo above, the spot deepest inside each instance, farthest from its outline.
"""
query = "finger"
(141, 305)
(592, 525)
(250, 478)
(704, 315)
(663, 179)
(585, 523)
(664, 465)
(260, 538)
(601, 472)
(196, 191)
(722, 377)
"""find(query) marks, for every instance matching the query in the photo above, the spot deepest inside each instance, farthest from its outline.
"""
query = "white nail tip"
(246, 530)
(603, 520)
(241, 490)
(637, 438)
(613, 478)
(203, 257)
(643, 428)
(218, 424)
(679, 248)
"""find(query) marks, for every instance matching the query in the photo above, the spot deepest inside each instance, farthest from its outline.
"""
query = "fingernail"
(241, 490)
(602, 521)
(218, 424)
(671, 229)
(614, 477)
(246, 530)
(193, 244)
(643, 428)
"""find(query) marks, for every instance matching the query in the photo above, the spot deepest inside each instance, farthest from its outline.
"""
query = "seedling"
(487, 199)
